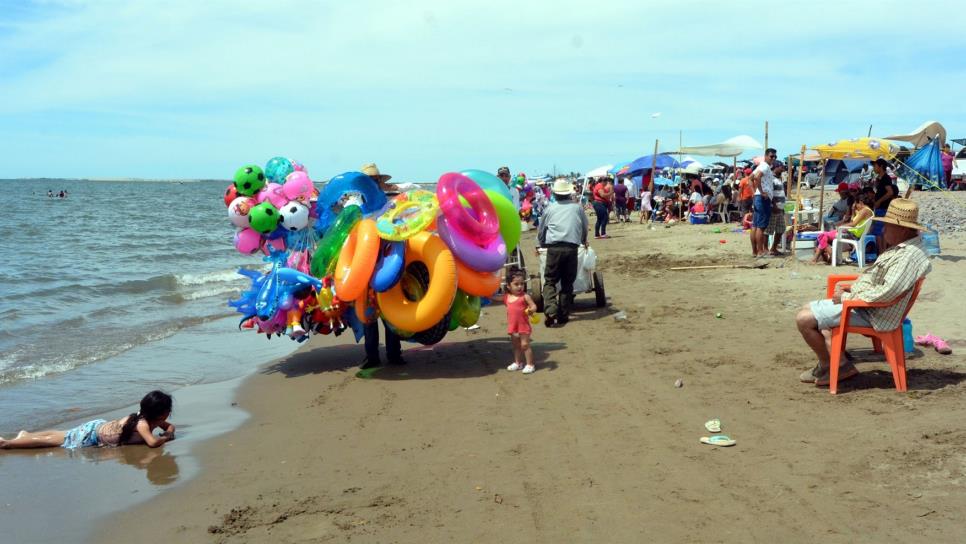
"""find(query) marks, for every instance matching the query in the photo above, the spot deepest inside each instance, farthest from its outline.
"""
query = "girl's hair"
(154, 405)
(515, 272)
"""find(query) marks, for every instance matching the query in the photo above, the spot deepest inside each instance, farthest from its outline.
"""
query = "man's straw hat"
(372, 171)
(902, 212)
(563, 187)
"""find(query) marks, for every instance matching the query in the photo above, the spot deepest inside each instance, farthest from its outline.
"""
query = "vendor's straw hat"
(563, 187)
(372, 171)
(902, 212)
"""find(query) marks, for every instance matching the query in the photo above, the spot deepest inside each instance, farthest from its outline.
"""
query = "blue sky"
(188, 89)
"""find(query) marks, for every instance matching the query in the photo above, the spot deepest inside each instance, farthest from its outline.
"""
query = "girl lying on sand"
(133, 429)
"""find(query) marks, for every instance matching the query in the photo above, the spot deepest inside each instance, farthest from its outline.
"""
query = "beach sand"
(599, 445)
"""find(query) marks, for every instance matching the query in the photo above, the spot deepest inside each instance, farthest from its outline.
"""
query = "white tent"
(732, 147)
(599, 172)
(922, 135)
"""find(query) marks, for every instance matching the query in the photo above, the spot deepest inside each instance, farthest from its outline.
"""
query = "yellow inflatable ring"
(409, 213)
(357, 261)
(420, 315)
(480, 284)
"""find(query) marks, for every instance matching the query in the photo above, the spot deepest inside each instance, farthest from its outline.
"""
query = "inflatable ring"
(488, 182)
(324, 259)
(434, 334)
(428, 311)
(482, 228)
(348, 183)
(389, 266)
(357, 260)
(481, 284)
(487, 258)
(466, 309)
(408, 213)
(509, 219)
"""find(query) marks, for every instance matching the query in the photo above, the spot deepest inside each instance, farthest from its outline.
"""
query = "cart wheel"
(536, 292)
(599, 290)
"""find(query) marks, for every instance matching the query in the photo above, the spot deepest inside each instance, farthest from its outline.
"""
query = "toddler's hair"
(515, 272)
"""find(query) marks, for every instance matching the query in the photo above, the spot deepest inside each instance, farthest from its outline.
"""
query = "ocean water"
(115, 290)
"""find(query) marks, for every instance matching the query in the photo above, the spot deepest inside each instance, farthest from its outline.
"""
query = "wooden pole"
(798, 203)
(821, 198)
(650, 185)
(766, 135)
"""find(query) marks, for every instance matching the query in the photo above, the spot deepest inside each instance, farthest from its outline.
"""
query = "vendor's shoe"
(550, 321)
(370, 363)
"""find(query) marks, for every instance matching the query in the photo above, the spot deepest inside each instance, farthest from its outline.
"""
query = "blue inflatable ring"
(389, 266)
(373, 199)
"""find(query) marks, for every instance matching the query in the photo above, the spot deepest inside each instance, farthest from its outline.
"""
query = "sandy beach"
(599, 445)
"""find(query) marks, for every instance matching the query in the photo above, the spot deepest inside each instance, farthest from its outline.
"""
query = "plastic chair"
(889, 342)
(724, 213)
(860, 243)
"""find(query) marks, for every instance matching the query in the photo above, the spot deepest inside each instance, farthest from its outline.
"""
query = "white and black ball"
(294, 216)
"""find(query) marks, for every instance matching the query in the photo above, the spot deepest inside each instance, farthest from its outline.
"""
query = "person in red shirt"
(603, 197)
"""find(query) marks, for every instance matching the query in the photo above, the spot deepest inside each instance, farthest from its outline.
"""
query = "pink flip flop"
(941, 346)
(927, 340)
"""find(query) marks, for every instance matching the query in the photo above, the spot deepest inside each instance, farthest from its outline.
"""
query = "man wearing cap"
(393, 343)
(891, 278)
(563, 228)
(764, 183)
(504, 174)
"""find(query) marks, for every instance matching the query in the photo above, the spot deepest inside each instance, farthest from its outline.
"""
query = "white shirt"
(767, 180)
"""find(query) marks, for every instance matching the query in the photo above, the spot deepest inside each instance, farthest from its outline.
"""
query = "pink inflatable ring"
(482, 228)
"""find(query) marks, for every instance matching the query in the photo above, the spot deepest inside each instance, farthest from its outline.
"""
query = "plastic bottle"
(930, 241)
(908, 344)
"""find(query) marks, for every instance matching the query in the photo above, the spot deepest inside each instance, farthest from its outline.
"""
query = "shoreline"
(597, 445)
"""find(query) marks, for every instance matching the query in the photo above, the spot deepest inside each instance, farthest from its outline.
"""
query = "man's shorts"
(762, 212)
(828, 314)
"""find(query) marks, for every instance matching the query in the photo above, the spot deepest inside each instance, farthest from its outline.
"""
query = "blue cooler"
(698, 218)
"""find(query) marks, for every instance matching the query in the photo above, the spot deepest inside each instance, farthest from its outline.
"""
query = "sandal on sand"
(514, 367)
(718, 440)
(942, 347)
(845, 372)
(713, 425)
(927, 340)
(529, 369)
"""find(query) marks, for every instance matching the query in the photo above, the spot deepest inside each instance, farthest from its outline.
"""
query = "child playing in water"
(133, 429)
(519, 308)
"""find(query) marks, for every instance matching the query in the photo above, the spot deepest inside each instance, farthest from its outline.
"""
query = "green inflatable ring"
(327, 253)
(509, 219)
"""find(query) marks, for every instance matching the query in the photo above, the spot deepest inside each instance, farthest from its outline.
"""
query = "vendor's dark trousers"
(562, 267)
(603, 215)
(393, 344)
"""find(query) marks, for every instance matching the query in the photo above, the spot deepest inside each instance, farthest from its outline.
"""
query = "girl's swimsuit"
(83, 436)
(516, 319)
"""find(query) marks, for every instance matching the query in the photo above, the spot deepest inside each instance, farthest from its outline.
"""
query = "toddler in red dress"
(519, 308)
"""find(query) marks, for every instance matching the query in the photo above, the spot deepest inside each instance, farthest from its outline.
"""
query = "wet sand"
(599, 445)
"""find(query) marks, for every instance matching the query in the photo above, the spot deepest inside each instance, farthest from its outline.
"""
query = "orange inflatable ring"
(365, 310)
(357, 261)
(420, 315)
(472, 282)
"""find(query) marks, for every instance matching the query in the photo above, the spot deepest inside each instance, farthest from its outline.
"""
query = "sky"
(188, 89)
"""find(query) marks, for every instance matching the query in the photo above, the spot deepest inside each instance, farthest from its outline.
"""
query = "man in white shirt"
(764, 182)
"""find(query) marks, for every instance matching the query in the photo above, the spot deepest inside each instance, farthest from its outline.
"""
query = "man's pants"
(562, 267)
(393, 345)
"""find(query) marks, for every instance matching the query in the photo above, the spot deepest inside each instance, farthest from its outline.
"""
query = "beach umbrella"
(600, 171)
(619, 169)
(868, 149)
(650, 161)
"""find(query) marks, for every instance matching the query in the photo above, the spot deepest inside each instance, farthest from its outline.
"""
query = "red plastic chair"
(889, 342)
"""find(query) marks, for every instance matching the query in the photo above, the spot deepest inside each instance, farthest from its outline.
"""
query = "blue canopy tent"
(660, 181)
(925, 167)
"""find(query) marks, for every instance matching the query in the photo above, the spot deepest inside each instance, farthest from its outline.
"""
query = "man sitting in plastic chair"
(892, 277)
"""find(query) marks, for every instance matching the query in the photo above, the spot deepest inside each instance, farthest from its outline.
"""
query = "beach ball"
(247, 241)
(263, 217)
(298, 186)
(272, 193)
(231, 193)
(238, 210)
(294, 216)
(277, 168)
(249, 179)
